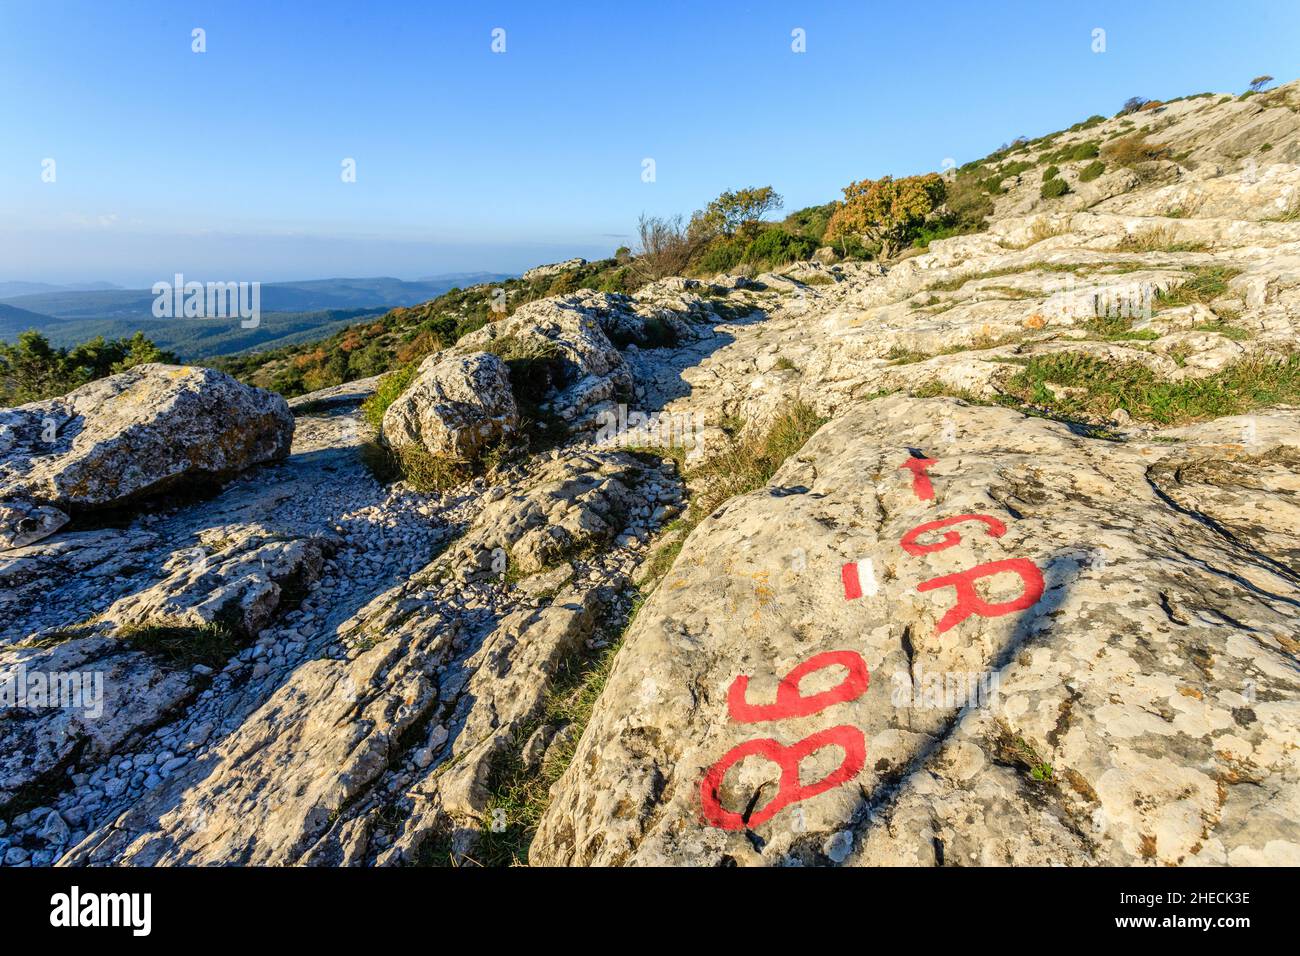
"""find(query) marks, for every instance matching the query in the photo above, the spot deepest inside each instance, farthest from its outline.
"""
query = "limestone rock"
(1144, 686)
(241, 587)
(134, 434)
(456, 406)
(553, 269)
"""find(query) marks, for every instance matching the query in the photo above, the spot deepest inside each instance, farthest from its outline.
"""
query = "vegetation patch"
(1092, 171)
(519, 795)
(184, 645)
(31, 369)
(389, 388)
(1206, 284)
(1106, 385)
(1158, 239)
(1054, 188)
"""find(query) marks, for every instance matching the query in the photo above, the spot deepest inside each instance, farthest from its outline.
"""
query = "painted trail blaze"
(790, 703)
(858, 578)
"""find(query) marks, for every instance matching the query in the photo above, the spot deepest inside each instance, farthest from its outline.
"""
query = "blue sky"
(226, 164)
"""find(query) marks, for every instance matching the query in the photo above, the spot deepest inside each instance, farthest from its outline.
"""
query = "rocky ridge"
(385, 652)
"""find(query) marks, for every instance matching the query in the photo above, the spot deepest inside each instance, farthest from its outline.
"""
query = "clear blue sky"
(226, 164)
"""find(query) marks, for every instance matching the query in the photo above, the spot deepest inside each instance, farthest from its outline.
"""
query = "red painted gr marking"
(968, 600)
(789, 701)
(996, 529)
(921, 486)
(789, 790)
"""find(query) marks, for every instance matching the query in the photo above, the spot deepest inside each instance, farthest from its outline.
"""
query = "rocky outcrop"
(77, 702)
(947, 631)
(128, 436)
(553, 269)
(457, 405)
(240, 587)
(1006, 644)
(320, 770)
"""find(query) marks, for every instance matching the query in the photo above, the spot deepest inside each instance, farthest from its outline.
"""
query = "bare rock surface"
(1142, 656)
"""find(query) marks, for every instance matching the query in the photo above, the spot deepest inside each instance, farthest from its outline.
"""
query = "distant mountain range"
(292, 312)
(9, 290)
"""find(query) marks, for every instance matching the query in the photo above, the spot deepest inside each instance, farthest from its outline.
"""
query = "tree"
(1259, 82)
(31, 369)
(666, 247)
(1132, 105)
(887, 211)
(736, 211)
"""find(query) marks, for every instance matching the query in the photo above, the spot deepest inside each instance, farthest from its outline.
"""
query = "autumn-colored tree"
(887, 211)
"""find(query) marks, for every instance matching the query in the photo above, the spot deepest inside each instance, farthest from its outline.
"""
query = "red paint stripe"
(921, 486)
(852, 586)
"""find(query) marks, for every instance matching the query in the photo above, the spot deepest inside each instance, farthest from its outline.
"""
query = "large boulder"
(571, 330)
(1027, 647)
(128, 436)
(456, 406)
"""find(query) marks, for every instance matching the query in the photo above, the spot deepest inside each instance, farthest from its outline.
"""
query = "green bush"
(1054, 188)
(721, 255)
(1051, 172)
(1092, 171)
(810, 222)
(389, 388)
(1078, 152)
(775, 247)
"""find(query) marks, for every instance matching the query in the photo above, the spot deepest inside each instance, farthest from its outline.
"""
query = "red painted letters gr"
(968, 600)
(996, 529)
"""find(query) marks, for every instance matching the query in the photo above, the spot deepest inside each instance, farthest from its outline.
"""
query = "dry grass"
(1158, 239)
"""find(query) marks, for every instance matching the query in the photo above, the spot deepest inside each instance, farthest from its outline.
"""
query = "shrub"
(1134, 150)
(810, 221)
(1054, 188)
(1051, 172)
(666, 247)
(776, 246)
(1089, 123)
(738, 211)
(1132, 105)
(968, 203)
(720, 255)
(386, 392)
(1092, 171)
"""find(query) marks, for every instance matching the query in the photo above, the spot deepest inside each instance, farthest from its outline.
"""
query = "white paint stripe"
(867, 577)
